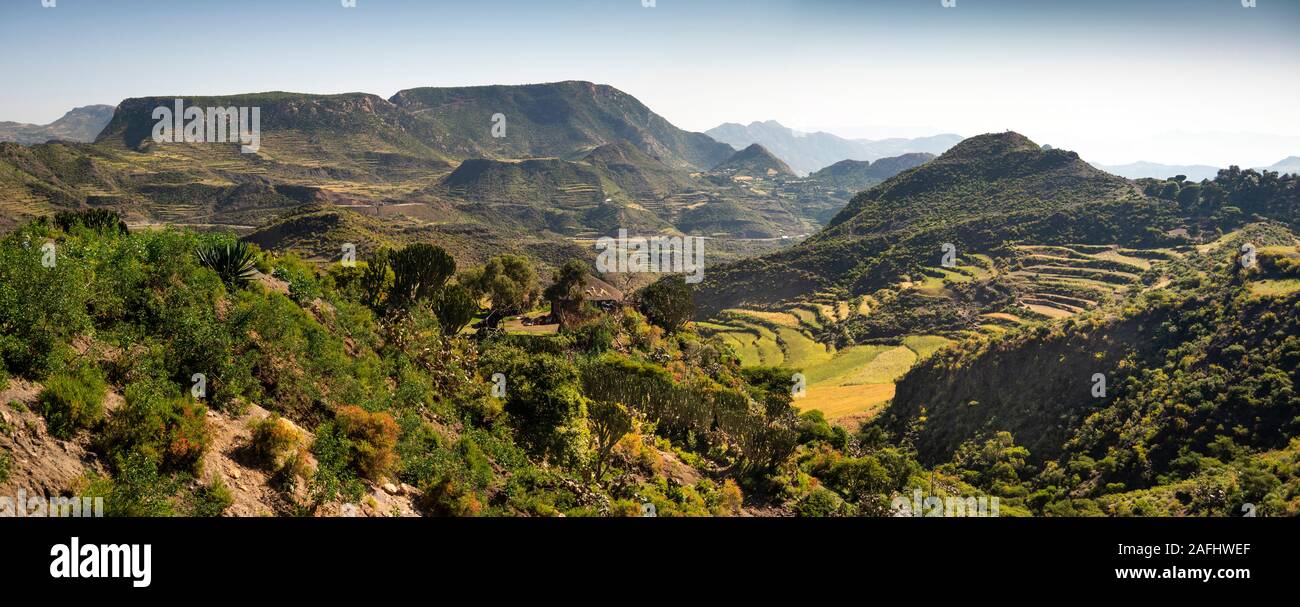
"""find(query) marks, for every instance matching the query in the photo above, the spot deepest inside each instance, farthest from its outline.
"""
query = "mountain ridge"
(80, 124)
(810, 152)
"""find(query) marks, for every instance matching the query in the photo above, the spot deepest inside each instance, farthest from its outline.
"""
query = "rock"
(390, 488)
(234, 473)
(407, 489)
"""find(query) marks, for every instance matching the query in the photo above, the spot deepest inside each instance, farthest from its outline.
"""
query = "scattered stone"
(390, 488)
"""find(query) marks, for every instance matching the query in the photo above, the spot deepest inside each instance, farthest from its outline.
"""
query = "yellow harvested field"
(784, 319)
(839, 401)
(884, 368)
(1048, 311)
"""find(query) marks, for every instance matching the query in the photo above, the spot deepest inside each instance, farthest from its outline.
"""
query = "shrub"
(138, 489)
(455, 306)
(211, 500)
(304, 285)
(373, 438)
(446, 496)
(543, 401)
(73, 399)
(334, 475)
(274, 443)
(820, 502)
(6, 466)
(234, 262)
(97, 220)
(157, 422)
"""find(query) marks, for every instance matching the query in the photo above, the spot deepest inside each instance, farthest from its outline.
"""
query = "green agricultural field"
(925, 345)
(1275, 288)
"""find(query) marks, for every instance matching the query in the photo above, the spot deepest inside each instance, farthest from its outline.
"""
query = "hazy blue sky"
(1177, 81)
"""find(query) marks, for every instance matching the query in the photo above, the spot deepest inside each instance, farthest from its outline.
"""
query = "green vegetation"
(73, 400)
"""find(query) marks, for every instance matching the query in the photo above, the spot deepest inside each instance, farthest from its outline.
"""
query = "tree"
(667, 303)
(565, 294)
(1189, 197)
(508, 281)
(377, 280)
(455, 307)
(419, 271)
(609, 423)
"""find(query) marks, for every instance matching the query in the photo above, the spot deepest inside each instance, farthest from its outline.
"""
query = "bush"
(97, 220)
(446, 496)
(211, 500)
(373, 437)
(455, 306)
(274, 443)
(158, 423)
(6, 466)
(138, 489)
(73, 399)
(304, 285)
(820, 502)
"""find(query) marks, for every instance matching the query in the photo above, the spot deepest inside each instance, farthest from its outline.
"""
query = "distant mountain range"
(1193, 172)
(808, 152)
(1155, 170)
(1290, 164)
(577, 160)
(82, 124)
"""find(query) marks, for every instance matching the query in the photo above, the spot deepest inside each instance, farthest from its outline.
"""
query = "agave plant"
(234, 263)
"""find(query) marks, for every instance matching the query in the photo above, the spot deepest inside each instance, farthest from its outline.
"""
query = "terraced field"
(843, 383)
(1060, 281)
(1051, 282)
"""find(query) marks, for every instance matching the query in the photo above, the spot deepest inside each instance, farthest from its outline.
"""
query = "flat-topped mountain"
(562, 119)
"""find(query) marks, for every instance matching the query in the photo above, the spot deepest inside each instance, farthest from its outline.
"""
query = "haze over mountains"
(808, 152)
(81, 124)
(1194, 172)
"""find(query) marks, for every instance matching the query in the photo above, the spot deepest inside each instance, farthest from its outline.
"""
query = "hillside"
(858, 175)
(985, 191)
(754, 161)
(81, 125)
(1199, 391)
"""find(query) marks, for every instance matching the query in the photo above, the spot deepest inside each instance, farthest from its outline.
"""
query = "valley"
(923, 320)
